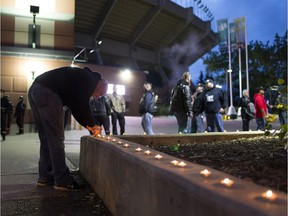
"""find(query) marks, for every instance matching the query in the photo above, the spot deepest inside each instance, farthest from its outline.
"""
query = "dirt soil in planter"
(261, 160)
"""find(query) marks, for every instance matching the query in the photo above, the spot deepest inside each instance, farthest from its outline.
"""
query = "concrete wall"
(133, 183)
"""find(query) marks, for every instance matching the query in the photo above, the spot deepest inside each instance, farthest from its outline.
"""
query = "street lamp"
(34, 10)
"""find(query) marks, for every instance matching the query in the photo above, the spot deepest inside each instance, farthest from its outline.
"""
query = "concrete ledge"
(169, 139)
(133, 183)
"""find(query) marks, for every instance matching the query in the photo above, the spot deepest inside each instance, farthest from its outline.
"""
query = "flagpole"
(246, 56)
(240, 72)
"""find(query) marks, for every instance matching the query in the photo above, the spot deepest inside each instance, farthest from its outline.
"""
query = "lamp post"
(34, 10)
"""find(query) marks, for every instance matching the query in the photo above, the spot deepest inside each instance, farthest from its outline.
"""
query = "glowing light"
(175, 162)
(147, 152)
(227, 182)
(205, 172)
(158, 156)
(119, 142)
(182, 164)
(138, 149)
(269, 195)
(126, 145)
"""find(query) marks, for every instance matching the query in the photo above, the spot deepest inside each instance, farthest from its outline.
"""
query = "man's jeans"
(214, 119)
(146, 123)
(197, 124)
(47, 109)
(261, 123)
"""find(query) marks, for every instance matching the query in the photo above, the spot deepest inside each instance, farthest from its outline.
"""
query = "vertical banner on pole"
(222, 26)
(232, 37)
(240, 25)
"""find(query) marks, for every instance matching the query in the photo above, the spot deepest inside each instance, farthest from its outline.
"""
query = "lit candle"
(225, 131)
(147, 152)
(269, 195)
(99, 135)
(237, 130)
(113, 140)
(182, 164)
(119, 142)
(158, 156)
(126, 145)
(175, 162)
(138, 149)
(108, 138)
(227, 182)
(103, 136)
(205, 172)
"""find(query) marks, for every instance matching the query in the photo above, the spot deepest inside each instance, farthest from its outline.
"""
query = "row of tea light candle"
(268, 195)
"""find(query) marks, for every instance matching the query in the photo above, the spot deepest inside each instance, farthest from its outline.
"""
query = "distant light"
(219, 86)
(99, 42)
(126, 75)
(120, 89)
(229, 71)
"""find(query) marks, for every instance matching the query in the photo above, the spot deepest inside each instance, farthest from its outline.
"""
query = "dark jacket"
(147, 103)
(215, 99)
(198, 103)
(20, 109)
(74, 86)
(100, 106)
(181, 100)
(243, 104)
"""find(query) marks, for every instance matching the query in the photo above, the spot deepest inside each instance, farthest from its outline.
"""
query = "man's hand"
(222, 111)
(96, 130)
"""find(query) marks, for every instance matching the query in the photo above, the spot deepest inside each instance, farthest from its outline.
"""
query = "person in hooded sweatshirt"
(181, 102)
(215, 104)
(50, 91)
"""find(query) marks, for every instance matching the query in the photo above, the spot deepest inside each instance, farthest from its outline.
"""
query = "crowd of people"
(84, 93)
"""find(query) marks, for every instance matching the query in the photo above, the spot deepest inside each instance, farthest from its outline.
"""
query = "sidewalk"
(19, 164)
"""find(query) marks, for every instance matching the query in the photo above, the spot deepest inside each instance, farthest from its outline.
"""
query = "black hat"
(209, 81)
(199, 85)
(97, 76)
(259, 88)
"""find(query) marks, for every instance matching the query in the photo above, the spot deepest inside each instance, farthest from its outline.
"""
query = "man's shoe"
(44, 183)
(74, 186)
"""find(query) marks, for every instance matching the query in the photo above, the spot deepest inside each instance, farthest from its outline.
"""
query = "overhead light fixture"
(34, 10)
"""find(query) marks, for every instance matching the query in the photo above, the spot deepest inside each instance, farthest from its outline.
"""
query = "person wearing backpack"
(147, 108)
(246, 114)
(261, 108)
(181, 102)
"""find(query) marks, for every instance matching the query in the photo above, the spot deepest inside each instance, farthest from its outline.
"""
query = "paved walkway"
(19, 161)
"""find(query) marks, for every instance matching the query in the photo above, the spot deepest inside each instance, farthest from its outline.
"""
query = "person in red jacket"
(261, 108)
(50, 91)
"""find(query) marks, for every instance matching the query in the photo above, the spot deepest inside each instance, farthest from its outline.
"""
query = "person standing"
(215, 104)
(147, 108)
(5, 104)
(118, 105)
(261, 108)
(282, 102)
(50, 91)
(244, 110)
(19, 114)
(101, 111)
(181, 102)
(198, 107)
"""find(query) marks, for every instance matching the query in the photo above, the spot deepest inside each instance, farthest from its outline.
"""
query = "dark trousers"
(245, 124)
(102, 120)
(120, 117)
(182, 119)
(20, 122)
